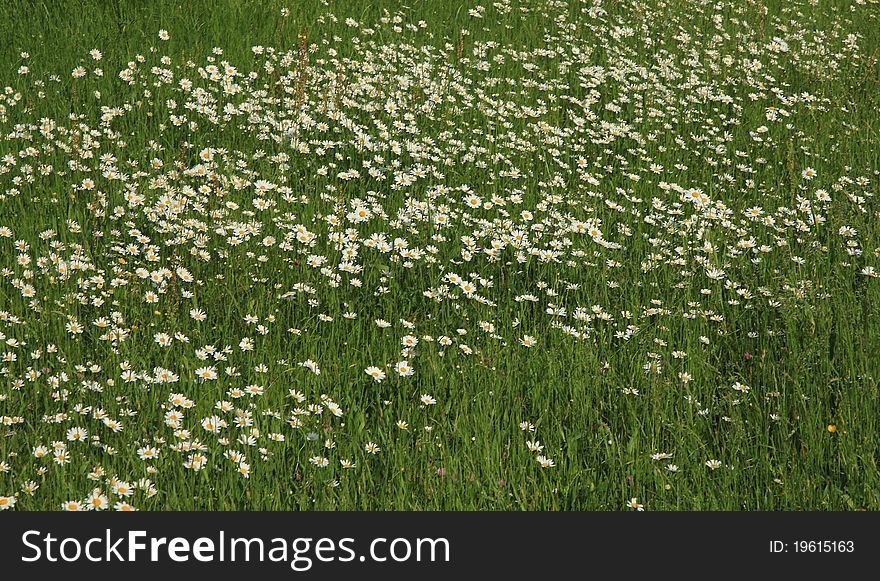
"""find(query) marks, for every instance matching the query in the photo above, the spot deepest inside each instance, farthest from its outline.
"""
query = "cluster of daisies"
(179, 299)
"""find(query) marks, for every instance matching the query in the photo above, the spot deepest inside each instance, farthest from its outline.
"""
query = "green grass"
(599, 115)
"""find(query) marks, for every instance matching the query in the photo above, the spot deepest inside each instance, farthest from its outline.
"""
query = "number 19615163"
(812, 546)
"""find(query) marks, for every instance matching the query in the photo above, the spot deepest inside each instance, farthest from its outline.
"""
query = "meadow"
(439, 255)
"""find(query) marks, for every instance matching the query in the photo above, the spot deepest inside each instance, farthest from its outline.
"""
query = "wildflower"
(206, 373)
(377, 374)
(404, 369)
(97, 501)
(741, 387)
(74, 328)
(634, 503)
(311, 366)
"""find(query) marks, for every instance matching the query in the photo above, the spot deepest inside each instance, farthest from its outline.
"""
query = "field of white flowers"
(529, 254)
